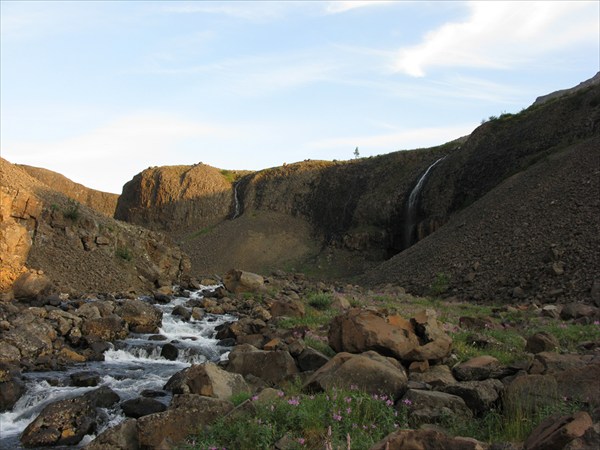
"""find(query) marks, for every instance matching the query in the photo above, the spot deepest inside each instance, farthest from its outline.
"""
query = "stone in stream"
(170, 352)
(64, 422)
(142, 406)
(85, 379)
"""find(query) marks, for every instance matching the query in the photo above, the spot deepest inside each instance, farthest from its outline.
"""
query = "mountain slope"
(536, 235)
(103, 202)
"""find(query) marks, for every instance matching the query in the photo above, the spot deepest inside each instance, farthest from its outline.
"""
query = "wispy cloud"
(501, 35)
(344, 6)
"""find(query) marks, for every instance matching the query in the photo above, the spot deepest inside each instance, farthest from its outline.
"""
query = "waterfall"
(236, 198)
(411, 207)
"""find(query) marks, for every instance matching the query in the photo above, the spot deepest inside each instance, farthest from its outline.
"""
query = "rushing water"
(411, 207)
(130, 367)
(236, 198)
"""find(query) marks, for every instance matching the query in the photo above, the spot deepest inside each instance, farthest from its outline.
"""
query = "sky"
(99, 91)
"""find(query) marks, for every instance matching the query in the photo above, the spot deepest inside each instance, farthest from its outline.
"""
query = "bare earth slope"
(78, 249)
(536, 235)
(103, 202)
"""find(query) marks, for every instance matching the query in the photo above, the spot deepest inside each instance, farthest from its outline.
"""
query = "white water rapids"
(132, 366)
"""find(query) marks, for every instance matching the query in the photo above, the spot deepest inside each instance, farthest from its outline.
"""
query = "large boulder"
(419, 339)
(436, 376)
(271, 367)
(124, 436)
(33, 337)
(141, 317)
(11, 391)
(238, 281)
(555, 432)
(186, 415)
(480, 396)
(369, 371)
(580, 384)
(434, 406)
(479, 368)
(142, 406)
(31, 285)
(207, 380)
(426, 440)
(551, 362)
(108, 328)
(64, 422)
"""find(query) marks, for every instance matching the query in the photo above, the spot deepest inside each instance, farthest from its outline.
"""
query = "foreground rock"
(65, 422)
(187, 414)
(426, 440)
(207, 380)
(417, 339)
(369, 371)
(271, 367)
(556, 432)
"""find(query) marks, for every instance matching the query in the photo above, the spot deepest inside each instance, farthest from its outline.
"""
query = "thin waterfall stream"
(132, 367)
(412, 204)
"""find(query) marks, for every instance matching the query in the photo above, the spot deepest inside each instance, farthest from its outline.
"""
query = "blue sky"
(98, 91)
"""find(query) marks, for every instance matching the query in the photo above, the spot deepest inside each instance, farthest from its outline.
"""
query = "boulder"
(310, 359)
(479, 368)
(141, 317)
(480, 396)
(369, 371)
(183, 312)
(103, 397)
(287, 307)
(580, 384)
(426, 440)
(142, 406)
(64, 422)
(238, 281)
(10, 392)
(436, 376)
(108, 328)
(578, 311)
(124, 436)
(186, 415)
(541, 342)
(271, 367)
(33, 339)
(555, 432)
(169, 351)
(551, 362)
(434, 406)
(31, 285)
(207, 380)
(419, 339)
(85, 379)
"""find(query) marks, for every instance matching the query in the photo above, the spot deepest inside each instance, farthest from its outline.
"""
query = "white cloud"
(344, 6)
(109, 156)
(404, 139)
(501, 35)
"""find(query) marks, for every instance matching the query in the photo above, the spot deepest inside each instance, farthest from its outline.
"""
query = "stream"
(131, 367)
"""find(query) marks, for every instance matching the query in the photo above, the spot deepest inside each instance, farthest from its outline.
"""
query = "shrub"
(124, 253)
(320, 301)
(72, 212)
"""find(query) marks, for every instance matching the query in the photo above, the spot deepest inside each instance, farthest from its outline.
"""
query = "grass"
(200, 232)
(229, 175)
(338, 418)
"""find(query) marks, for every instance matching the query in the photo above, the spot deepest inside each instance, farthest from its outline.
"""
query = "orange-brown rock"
(419, 339)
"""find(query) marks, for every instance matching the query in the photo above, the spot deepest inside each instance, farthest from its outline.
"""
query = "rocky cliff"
(177, 197)
(103, 202)
(361, 207)
(76, 248)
